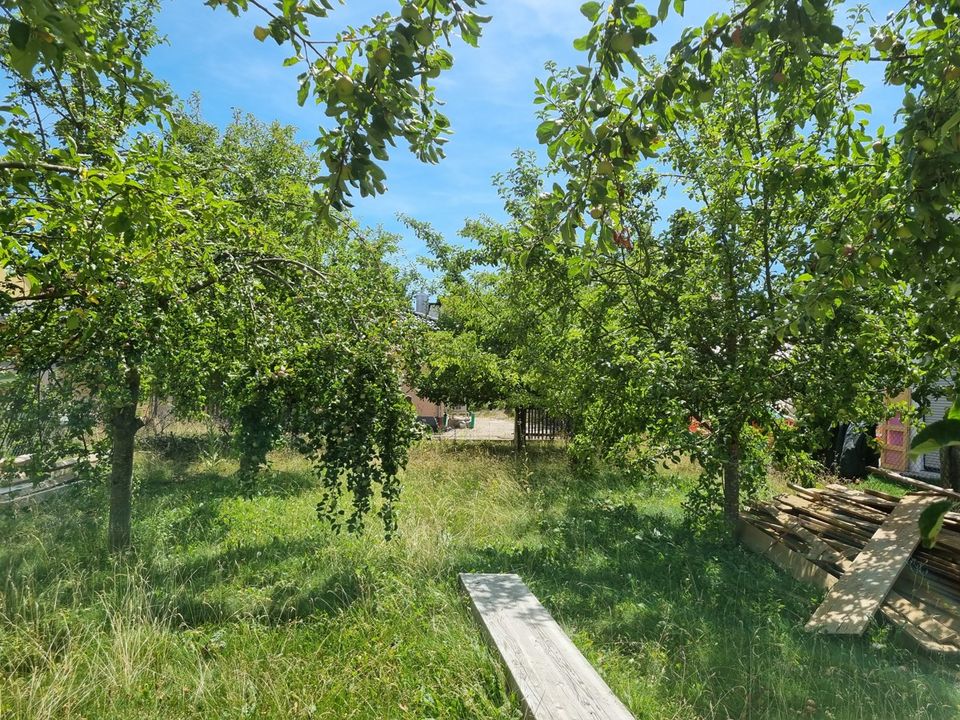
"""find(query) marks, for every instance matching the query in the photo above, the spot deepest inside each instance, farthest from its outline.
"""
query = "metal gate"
(538, 424)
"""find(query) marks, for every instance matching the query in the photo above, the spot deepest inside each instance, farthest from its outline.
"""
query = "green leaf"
(931, 521)
(934, 436)
(260, 33)
(591, 10)
(663, 10)
(546, 130)
(954, 412)
(954, 120)
(19, 34)
(831, 34)
(23, 61)
(678, 7)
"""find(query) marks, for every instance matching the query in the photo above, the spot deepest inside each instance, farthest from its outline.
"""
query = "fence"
(538, 424)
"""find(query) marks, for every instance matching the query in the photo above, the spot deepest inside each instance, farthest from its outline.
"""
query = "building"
(895, 435)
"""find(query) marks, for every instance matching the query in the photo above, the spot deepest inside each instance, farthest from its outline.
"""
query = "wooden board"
(551, 676)
(805, 570)
(852, 602)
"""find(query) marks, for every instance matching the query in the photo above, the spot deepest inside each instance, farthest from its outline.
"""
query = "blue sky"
(488, 94)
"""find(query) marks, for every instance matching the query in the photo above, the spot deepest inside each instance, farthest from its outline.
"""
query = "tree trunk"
(731, 481)
(950, 467)
(123, 429)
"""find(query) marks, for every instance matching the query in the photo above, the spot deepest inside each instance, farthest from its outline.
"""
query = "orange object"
(894, 438)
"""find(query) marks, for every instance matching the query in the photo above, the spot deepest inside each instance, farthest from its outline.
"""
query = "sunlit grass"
(239, 607)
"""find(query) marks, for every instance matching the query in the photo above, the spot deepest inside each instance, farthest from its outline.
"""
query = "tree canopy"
(191, 265)
(810, 271)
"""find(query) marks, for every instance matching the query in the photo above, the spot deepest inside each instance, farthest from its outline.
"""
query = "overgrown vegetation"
(247, 607)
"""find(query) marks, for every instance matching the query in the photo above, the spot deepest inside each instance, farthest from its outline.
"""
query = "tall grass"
(234, 607)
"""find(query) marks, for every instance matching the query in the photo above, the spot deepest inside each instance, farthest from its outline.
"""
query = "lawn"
(236, 607)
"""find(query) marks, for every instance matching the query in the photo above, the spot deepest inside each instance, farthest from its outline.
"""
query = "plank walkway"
(551, 676)
(854, 599)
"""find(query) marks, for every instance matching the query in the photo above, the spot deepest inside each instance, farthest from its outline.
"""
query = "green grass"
(875, 482)
(237, 608)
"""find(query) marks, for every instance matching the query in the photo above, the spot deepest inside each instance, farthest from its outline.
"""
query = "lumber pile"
(817, 535)
(16, 490)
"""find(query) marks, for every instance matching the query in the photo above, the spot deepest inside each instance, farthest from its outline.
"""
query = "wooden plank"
(853, 601)
(818, 549)
(915, 615)
(874, 498)
(551, 676)
(793, 562)
(913, 482)
(802, 569)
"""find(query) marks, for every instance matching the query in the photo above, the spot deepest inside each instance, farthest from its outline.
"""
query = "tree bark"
(950, 467)
(123, 429)
(731, 481)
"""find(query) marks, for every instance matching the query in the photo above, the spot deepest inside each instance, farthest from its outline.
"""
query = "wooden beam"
(548, 672)
(855, 598)
(803, 569)
(912, 482)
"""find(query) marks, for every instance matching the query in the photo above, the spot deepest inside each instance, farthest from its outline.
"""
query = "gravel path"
(486, 428)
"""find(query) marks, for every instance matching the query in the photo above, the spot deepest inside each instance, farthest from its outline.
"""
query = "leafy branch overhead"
(619, 107)
(373, 81)
(152, 254)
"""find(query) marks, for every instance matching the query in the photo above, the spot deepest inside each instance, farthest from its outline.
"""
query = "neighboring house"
(426, 310)
(11, 284)
(429, 413)
(895, 435)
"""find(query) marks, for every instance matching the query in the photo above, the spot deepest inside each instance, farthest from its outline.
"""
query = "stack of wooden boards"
(863, 546)
(16, 490)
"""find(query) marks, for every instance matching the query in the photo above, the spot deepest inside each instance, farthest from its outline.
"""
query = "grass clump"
(250, 607)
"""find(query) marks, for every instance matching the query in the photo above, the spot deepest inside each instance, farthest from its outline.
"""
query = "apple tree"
(770, 292)
(185, 264)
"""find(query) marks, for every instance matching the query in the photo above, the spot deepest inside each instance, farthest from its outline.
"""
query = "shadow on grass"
(700, 618)
(193, 570)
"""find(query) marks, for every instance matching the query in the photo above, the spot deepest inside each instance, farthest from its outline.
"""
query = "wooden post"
(520, 428)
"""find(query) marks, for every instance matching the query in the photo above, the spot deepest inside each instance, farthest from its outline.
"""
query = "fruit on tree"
(883, 41)
(382, 55)
(344, 87)
(622, 42)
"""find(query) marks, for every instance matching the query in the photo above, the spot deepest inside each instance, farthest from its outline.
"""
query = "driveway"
(499, 427)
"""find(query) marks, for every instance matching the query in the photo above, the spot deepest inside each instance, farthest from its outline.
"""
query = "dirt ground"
(489, 425)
